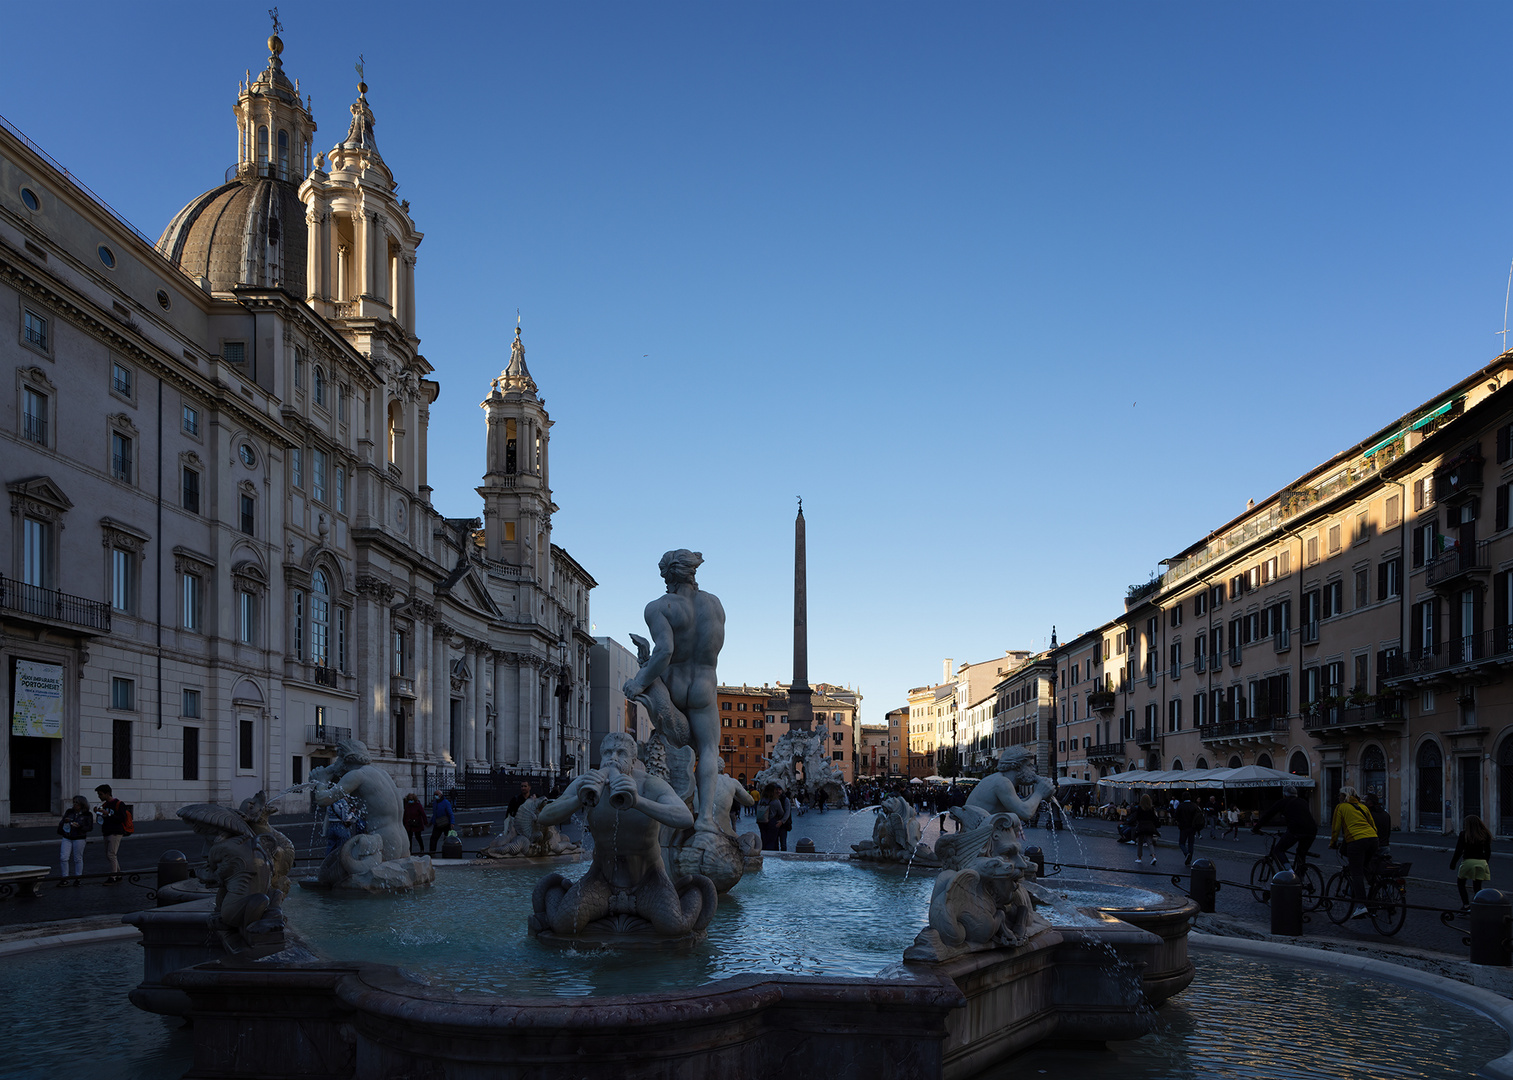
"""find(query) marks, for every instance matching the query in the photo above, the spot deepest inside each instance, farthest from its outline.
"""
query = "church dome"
(249, 231)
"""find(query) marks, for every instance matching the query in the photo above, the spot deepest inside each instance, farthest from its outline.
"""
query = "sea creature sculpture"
(895, 834)
(240, 865)
(525, 836)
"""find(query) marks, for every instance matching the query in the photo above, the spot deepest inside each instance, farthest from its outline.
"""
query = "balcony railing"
(1309, 632)
(1237, 729)
(1489, 646)
(1200, 663)
(52, 605)
(1457, 478)
(325, 734)
(1147, 737)
(326, 676)
(34, 428)
(1457, 561)
(1384, 708)
(1100, 700)
(1105, 750)
(402, 686)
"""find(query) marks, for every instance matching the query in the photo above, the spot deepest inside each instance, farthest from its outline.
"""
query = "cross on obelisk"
(800, 697)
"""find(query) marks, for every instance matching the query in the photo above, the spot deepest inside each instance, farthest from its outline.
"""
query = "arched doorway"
(1505, 787)
(1374, 773)
(1430, 788)
(1298, 766)
(1263, 760)
(1202, 763)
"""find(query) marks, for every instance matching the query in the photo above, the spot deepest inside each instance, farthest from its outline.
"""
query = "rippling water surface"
(1244, 1019)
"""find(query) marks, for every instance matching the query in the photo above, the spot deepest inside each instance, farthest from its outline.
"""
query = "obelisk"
(800, 706)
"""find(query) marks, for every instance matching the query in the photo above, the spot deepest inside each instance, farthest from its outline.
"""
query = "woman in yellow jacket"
(1354, 831)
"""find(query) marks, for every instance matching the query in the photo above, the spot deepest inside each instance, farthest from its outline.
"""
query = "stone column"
(343, 289)
(314, 266)
(480, 703)
(380, 259)
(530, 754)
(500, 720)
(424, 679)
(441, 693)
(409, 323)
(325, 254)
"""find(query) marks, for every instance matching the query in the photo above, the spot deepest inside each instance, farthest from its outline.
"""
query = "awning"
(1441, 411)
(1388, 441)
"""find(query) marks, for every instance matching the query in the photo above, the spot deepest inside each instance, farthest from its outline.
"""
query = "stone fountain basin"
(1096, 980)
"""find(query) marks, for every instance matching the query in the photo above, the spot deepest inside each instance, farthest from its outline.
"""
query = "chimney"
(948, 670)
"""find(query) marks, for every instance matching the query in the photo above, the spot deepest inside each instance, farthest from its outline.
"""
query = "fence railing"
(24, 599)
(1457, 561)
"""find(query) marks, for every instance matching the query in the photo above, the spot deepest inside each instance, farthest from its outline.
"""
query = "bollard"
(172, 867)
(1036, 856)
(805, 846)
(1203, 884)
(1491, 914)
(451, 847)
(1286, 903)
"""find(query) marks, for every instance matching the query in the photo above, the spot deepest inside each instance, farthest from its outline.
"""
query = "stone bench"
(26, 880)
(476, 828)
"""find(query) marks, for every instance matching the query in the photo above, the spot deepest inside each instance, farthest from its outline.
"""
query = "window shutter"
(1418, 547)
(1502, 444)
(1418, 495)
(1416, 637)
(1502, 507)
(1285, 562)
(1381, 581)
(1500, 600)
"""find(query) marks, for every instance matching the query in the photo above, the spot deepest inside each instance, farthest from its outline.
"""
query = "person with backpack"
(115, 825)
(1189, 817)
(443, 818)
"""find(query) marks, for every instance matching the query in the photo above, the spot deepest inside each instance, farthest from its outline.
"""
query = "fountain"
(377, 857)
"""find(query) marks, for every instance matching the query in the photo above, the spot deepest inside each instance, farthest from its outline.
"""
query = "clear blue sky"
(1021, 298)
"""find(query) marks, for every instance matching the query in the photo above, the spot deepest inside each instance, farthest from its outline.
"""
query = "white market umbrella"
(1255, 776)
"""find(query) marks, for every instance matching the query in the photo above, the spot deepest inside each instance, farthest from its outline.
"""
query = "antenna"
(1506, 295)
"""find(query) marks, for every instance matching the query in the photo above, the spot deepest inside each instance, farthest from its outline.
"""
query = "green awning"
(1441, 411)
(1388, 441)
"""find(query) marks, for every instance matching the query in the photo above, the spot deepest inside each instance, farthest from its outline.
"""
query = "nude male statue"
(625, 810)
(687, 629)
(997, 794)
(729, 792)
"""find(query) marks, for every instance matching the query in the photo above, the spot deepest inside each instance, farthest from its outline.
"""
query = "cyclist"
(1302, 828)
(1354, 832)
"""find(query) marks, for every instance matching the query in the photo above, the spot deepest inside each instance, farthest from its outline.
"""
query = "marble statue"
(979, 901)
(999, 794)
(677, 680)
(525, 837)
(895, 835)
(626, 895)
(242, 865)
(377, 858)
(722, 856)
(811, 750)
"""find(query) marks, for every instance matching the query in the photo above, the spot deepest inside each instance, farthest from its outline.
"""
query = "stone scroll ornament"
(627, 896)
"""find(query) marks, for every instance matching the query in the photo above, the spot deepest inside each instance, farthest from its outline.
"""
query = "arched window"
(262, 145)
(1298, 766)
(320, 619)
(283, 154)
(1202, 763)
(1263, 760)
(1431, 787)
(396, 432)
(1235, 762)
(318, 386)
(1176, 764)
(1505, 787)
(1374, 773)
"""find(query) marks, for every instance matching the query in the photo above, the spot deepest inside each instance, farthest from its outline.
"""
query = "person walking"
(1189, 817)
(1146, 824)
(785, 823)
(415, 822)
(1472, 860)
(113, 827)
(770, 812)
(443, 817)
(74, 827)
(1354, 832)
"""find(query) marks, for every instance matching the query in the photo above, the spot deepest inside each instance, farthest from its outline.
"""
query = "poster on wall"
(38, 709)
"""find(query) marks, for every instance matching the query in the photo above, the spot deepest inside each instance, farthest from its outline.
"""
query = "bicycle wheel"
(1313, 887)
(1389, 907)
(1337, 901)
(1260, 879)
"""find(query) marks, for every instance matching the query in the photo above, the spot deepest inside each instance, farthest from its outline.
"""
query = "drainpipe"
(160, 554)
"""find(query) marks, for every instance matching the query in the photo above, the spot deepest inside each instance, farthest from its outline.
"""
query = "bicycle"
(1269, 865)
(1386, 895)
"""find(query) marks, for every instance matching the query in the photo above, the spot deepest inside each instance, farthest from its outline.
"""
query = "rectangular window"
(36, 553)
(297, 467)
(36, 330)
(190, 498)
(1423, 494)
(342, 393)
(1425, 542)
(247, 617)
(191, 420)
(123, 693)
(120, 379)
(1394, 510)
(1362, 589)
(248, 514)
(298, 606)
(190, 709)
(191, 753)
(1176, 615)
(1334, 539)
(1200, 604)
(122, 580)
(318, 475)
(1389, 579)
(1174, 714)
(234, 352)
(244, 745)
(341, 639)
(1216, 596)
(193, 605)
(1358, 686)
(120, 456)
(1312, 549)
(1334, 599)
(399, 653)
(34, 416)
(120, 750)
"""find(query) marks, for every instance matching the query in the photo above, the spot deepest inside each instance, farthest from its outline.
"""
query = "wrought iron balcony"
(1323, 719)
(325, 734)
(1249, 730)
(1458, 478)
(1489, 648)
(325, 676)
(1450, 567)
(51, 606)
(1105, 751)
(1100, 700)
(1147, 737)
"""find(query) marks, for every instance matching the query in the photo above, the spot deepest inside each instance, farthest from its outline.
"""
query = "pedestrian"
(341, 822)
(770, 813)
(442, 819)
(1189, 824)
(113, 827)
(74, 827)
(1472, 860)
(1354, 831)
(1146, 827)
(1383, 822)
(785, 824)
(415, 822)
(1211, 817)
(518, 800)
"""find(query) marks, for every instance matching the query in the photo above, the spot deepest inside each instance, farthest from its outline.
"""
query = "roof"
(250, 231)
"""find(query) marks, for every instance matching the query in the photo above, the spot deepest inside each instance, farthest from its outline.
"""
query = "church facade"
(223, 552)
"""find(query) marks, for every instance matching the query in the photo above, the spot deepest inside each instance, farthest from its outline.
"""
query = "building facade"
(224, 553)
(838, 707)
(743, 724)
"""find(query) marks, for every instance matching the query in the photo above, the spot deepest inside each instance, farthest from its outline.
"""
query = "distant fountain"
(377, 858)
(526, 837)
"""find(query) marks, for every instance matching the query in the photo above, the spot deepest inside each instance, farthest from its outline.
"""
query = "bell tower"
(517, 493)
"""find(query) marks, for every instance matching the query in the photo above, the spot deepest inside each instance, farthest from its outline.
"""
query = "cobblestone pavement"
(1089, 843)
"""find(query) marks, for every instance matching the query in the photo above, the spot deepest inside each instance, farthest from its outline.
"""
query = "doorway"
(32, 774)
(1468, 781)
